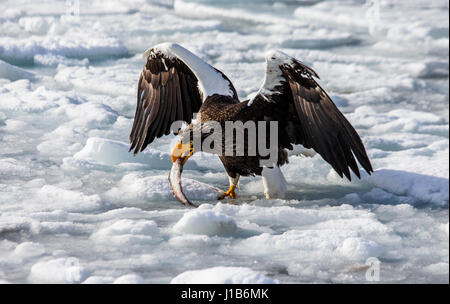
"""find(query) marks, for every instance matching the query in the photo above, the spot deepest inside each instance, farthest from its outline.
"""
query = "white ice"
(222, 275)
(76, 207)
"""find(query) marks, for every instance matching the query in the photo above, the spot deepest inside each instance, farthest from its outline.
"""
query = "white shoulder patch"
(273, 75)
(278, 57)
(210, 81)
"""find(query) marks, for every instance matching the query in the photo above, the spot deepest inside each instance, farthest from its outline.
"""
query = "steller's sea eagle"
(174, 84)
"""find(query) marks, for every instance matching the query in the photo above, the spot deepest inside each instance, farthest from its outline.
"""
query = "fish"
(175, 182)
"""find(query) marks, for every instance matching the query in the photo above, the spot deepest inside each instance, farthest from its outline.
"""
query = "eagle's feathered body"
(175, 84)
(221, 109)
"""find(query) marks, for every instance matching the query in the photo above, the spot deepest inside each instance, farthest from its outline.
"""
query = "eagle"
(175, 84)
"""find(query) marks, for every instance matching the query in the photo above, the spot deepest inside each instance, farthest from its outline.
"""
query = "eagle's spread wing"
(308, 116)
(172, 86)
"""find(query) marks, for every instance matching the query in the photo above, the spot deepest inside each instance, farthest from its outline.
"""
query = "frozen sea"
(76, 207)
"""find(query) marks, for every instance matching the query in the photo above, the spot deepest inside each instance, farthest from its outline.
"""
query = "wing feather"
(184, 92)
(171, 87)
(168, 116)
(160, 118)
(308, 115)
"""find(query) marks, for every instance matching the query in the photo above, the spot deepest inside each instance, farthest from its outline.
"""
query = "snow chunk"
(29, 250)
(13, 73)
(208, 222)
(110, 152)
(18, 96)
(222, 275)
(135, 186)
(333, 246)
(445, 228)
(14, 125)
(115, 80)
(88, 114)
(52, 60)
(13, 13)
(129, 279)
(10, 166)
(80, 45)
(127, 232)
(61, 270)
(190, 240)
(399, 120)
(438, 268)
(53, 197)
(359, 248)
(98, 280)
(35, 25)
(425, 188)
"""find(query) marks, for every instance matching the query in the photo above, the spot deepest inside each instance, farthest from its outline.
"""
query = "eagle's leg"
(234, 181)
(275, 184)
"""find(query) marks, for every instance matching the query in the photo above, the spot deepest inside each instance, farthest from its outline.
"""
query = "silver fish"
(175, 182)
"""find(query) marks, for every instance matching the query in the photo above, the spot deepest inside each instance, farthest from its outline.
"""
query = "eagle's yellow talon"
(231, 193)
(182, 150)
(191, 151)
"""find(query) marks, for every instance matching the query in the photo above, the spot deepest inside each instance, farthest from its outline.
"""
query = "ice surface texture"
(76, 207)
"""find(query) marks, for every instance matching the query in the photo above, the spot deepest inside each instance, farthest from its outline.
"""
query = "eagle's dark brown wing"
(308, 116)
(169, 90)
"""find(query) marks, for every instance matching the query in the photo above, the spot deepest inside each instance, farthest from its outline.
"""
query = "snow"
(61, 270)
(127, 232)
(98, 280)
(137, 187)
(207, 222)
(129, 279)
(440, 268)
(76, 207)
(222, 275)
(110, 152)
(354, 247)
(29, 250)
(423, 188)
(53, 197)
(12, 72)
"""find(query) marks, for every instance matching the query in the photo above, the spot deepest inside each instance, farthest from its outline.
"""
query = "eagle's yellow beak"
(182, 150)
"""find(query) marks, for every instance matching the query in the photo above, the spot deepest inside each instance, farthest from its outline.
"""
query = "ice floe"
(76, 207)
(60, 270)
(208, 222)
(222, 275)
